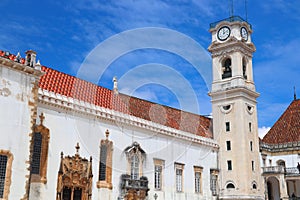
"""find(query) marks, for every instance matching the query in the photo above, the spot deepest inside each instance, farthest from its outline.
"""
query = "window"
(228, 145)
(229, 165)
(135, 167)
(179, 180)
(250, 127)
(179, 177)
(252, 165)
(3, 164)
(254, 186)
(5, 173)
(158, 173)
(67, 193)
(197, 182)
(36, 155)
(227, 124)
(157, 177)
(102, 168)
(230, 186)
(251, 146)
(264, 162)
(135, 157)
(105, 163)
(213, 181)
(39, 152)
(198, 179)
(281, 163)
(77, 194)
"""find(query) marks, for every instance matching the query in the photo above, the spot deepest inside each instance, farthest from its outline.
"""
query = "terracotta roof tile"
(287, 127)
(79, 89)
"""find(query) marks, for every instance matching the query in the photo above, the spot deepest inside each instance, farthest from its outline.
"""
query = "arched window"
(230, 186)
(281, 163)
(254, 186)
(226, 67)
(135, 166)
(135, 157)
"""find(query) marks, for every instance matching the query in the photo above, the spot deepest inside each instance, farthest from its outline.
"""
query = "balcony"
(137, 184)
(273, 170)
(136, 188)
(292, 171)
(288, 171)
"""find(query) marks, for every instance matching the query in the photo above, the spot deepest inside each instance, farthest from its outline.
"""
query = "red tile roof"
(76, 88)
(6, 54)
(70, 86)
(287, 127)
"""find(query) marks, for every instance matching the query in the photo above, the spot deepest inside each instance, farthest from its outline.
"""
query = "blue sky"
(66, 33)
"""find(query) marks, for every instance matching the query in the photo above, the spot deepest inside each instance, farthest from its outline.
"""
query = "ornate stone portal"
(74, 178)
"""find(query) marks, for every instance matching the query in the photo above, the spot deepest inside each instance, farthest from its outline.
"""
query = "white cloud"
(262, 131)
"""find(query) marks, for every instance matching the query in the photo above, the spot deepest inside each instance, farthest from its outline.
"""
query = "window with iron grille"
(157, 177)
(179, 180)
(36, 156)
(103, 157)
(3, 164)
(135, 167)
(197, 182)
(213, 184)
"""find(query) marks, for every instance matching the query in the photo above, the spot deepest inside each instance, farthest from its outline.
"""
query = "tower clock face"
(244, 33)
(223, 33)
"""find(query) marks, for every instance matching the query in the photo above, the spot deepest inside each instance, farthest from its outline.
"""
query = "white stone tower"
(234, 110)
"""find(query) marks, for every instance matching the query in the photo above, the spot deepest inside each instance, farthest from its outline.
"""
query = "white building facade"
(67, 139)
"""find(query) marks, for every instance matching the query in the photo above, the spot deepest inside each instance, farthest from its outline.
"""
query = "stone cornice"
(231, 45)
(20, 67)
(230, 23)
(68, 103)
(280, 149)
(233, 92)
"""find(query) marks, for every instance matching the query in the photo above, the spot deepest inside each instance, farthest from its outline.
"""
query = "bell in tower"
(30, 59)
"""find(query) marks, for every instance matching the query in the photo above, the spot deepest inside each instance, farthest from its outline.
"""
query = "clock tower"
(233, 97)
